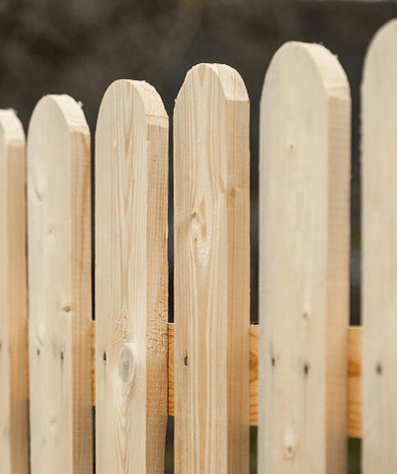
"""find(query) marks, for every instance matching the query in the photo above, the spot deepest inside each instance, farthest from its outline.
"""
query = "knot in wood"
(126, 363)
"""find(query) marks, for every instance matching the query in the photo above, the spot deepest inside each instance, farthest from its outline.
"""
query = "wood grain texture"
(59, 277)
(304, 262)
(253, 382)
(131, 296)
(211, 312)
(353, 374)
(379, 263)
(14, 454)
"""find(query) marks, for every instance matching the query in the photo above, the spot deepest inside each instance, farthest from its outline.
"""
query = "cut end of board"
(11, 127)
(330, 72)
(152, 105)
(229, 79)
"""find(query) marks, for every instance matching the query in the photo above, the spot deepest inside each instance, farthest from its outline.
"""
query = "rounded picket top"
(381, 54)
(125, 98)
(11, 129)
(206, 75)
(307, 65)
(56, 123)
(62, 107)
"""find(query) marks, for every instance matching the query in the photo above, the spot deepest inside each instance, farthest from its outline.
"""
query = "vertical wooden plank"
(379, 265)
(304, 262)
(211, 166)
(14, 454)
(131, 296)
(59, 277)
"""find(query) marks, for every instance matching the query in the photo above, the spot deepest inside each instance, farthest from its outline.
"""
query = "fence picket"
(59, 276)
(211, 172)
(379, 267)
(131, 297)
(303, 375)
(14, 453)
(304, 262)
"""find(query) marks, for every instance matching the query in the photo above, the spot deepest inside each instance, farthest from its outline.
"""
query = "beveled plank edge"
(353, 374)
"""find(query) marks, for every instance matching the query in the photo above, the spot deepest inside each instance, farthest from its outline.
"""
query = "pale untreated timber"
(353, 374)
(211, 206)
(131, 290)
(379, 264)
(253, 382)
(304, 262)
(14, 454)
(59, 277)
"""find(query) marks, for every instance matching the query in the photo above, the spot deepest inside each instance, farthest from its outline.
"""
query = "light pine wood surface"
(253, 381)
(212, 300)
(353, 374)
(14, 454)
(304, 263)
(379, 261)
(59, 278)
(131, 290)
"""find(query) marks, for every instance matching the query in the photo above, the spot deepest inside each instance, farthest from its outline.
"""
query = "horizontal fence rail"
(303, 376)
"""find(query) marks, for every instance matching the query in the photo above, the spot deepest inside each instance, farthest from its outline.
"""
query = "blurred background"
(79, 47)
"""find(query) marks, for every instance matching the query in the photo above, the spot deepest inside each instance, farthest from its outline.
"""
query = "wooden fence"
(56, 363)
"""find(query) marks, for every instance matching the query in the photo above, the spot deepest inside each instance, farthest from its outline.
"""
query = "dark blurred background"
(79, 47)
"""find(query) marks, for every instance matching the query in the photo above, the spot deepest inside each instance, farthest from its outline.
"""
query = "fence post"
(304, 262)
(379, 265)
(131, 280)
(14, 453)
(211, 176)
(59, 277)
